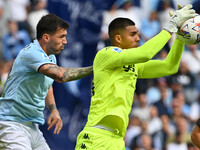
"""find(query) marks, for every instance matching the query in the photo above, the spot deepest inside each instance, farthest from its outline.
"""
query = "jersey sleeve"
(112, 57)
(108, 57)
(38, 58)
(145, 52)
(160, 68)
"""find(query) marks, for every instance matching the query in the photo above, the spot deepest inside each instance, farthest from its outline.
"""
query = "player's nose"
(65, 41)
(137, 38)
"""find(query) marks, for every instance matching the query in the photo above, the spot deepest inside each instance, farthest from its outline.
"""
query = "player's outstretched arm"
(160, 68)
(61, 74)
(145, 52)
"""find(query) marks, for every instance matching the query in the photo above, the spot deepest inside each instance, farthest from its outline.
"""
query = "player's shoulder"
(32, 52)
(111, 49)
(32, 49)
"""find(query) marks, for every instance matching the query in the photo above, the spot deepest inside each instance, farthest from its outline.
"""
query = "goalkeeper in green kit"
(116, 69)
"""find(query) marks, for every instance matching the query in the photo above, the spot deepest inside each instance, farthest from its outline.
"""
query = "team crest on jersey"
(118, 50)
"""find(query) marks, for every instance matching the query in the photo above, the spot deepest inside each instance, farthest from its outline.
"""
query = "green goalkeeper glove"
(179, 17)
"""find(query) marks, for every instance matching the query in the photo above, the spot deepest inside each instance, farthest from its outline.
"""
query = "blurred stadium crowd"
(164, 109)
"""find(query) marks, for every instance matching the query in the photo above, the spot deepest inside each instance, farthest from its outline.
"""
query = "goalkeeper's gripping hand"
(179, 17)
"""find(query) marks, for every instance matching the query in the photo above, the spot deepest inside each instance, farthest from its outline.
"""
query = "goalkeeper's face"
(129, 37)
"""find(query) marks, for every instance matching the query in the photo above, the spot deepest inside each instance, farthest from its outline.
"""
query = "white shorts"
(17, 136)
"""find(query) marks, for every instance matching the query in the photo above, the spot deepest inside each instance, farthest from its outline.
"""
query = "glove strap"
(171, 28)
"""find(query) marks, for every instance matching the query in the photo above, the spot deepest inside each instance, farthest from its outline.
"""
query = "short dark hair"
(49, 24)
(118, 24)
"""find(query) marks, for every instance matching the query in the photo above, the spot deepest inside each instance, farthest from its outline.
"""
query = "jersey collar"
(37, 43)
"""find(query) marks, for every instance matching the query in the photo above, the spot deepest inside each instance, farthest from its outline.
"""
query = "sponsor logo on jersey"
(118, 50)
(128, 68)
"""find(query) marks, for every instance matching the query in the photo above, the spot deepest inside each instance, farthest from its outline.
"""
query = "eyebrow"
(134, 32)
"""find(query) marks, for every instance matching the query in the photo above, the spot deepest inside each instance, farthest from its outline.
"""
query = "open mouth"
(62, 48)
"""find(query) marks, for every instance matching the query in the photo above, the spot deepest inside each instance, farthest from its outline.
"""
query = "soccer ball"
(189, 32)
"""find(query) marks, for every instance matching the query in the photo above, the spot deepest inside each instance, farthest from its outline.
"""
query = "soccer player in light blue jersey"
(29, 88)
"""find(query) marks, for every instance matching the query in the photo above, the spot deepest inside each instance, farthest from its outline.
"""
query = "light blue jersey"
(26, 88)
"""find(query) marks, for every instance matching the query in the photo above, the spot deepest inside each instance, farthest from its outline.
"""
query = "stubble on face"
(57, 42)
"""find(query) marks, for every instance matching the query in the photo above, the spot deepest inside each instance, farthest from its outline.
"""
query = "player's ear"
(118, 38)
(46, 37)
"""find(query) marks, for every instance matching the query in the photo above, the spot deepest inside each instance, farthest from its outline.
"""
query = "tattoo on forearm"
(52, 107)
(67, 74)
(76, 73)
(52, 75)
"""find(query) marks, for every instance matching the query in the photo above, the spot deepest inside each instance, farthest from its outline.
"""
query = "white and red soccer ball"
(189, 32)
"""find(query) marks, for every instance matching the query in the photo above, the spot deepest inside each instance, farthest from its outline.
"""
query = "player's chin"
(58, 51)
(62, 48)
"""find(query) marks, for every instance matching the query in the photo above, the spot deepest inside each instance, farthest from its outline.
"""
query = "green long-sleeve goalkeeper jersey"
(115, 74)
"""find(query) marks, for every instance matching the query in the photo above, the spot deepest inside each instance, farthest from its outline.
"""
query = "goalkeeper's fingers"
(171, 13)
(187, 7)
(191, 11)
(180, 6)
(190, 16)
